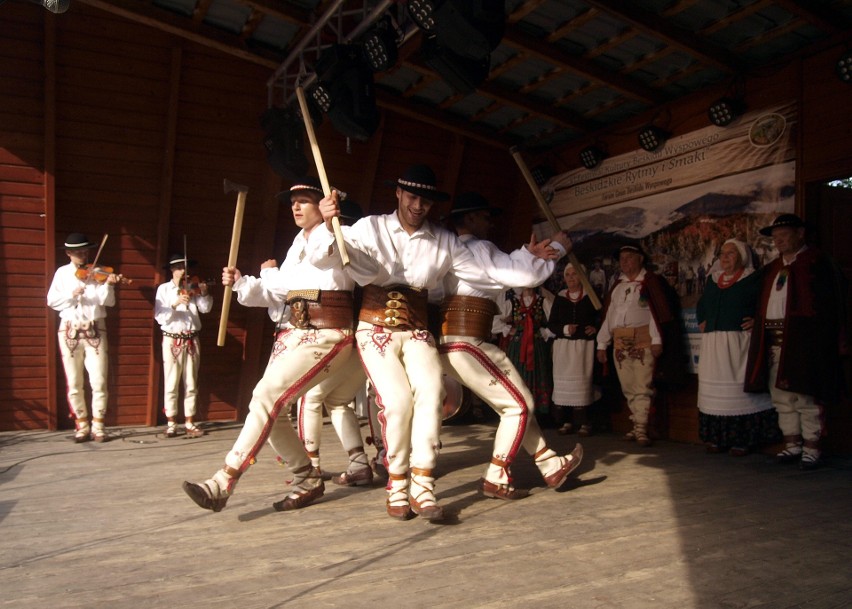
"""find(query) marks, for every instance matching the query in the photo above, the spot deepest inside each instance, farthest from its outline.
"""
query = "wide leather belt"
(631, 338)
(774, 337)
(773, 324)
(400, 307)
(467, 316)
(320, 309)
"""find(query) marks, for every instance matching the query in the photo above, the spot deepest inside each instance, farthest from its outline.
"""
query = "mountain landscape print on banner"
(682, 230)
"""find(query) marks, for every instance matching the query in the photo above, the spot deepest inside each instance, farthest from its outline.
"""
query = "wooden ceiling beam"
(656, 27)
(580, 65)
(162, 20)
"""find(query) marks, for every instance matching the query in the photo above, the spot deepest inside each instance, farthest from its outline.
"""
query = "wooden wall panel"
(23, 366)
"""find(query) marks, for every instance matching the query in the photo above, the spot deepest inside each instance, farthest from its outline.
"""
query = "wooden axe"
(232, 256)
(554, 223)
(326, 187)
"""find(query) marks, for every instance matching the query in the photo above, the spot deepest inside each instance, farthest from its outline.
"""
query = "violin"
(99, 274)
(192, 286)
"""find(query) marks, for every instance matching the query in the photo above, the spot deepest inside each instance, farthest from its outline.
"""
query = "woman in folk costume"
(524, 329)
(574, 322)
(730, 419)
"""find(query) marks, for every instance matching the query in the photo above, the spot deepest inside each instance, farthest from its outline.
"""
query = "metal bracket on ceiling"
(281, 86)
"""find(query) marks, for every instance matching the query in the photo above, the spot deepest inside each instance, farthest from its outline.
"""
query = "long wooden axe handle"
(326, 187)
(545, 208)
(232, 256)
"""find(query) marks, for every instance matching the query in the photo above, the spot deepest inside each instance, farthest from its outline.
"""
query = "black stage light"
(463, 74)
(725, 111)
(651, 138)
(422, 12)
(541, 174)
(591, 156)
(844, 67)
(284, 142)
(380, 45)
(345, 92)
(460, 35)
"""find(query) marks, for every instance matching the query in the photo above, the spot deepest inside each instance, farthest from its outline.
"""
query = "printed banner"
(681, 203)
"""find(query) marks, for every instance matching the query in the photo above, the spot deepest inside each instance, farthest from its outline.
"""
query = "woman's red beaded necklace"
(572, 298)
(724, 282)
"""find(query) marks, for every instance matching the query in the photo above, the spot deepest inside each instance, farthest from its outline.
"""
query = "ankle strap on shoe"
(419, 471)
(233, 473)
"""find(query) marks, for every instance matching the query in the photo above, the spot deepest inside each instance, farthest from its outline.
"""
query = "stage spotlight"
(380, 47)
(344, 91)
(541, 174)
(459, 37)
(651, 138)
(725, 111)
(463, 74)
(422, 12)
(283, 141)
(844, 67)
(591, 156)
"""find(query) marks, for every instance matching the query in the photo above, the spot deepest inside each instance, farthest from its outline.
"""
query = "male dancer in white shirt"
(315, 344)
(177, 310)
(469, 357)
(409, 257)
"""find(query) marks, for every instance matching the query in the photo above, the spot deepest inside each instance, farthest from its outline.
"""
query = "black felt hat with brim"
(77, 241)
(791, 220)
(629, 247)
(179, 259)
(420, 180)
(306, 183)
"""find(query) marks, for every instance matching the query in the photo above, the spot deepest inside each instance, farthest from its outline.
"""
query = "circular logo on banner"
(767, 130)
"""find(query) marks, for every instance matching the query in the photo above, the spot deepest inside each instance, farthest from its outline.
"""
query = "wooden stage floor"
(108, 526)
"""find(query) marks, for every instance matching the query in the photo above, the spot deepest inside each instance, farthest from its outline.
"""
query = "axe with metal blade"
(232, 256)
(554, 223)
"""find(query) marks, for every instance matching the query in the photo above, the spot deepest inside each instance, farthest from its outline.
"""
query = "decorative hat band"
(416, 185)
(305, 187)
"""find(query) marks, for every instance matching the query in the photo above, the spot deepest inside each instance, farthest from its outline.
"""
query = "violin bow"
(185, 267)
(98, 255)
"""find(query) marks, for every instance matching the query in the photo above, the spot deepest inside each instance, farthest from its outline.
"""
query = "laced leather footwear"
(360, 477)
(205, 496)
(194, 432)
(422, 495)
(397, 502)
(302, 493)
(571, 462)
(502, 491)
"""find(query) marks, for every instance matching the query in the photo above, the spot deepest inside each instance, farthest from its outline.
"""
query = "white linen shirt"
(625, 311)
(776, 306)
(89, 306)
(295, 273)
(183, 318)
(382, 253)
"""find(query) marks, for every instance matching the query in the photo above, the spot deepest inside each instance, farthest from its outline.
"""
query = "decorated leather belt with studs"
(467, 316)
(399, 307)
(320, 309)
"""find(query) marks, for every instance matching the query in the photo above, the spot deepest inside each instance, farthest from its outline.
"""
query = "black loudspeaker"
(284, 142)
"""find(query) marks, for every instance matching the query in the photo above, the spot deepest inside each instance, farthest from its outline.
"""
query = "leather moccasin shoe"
(400, 512)
(360, 477)
(572, 462)
(201, 496)
(502, 491)
(299, 499)
(432, 511)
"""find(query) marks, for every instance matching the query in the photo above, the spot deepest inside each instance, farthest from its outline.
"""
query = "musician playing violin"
(81, 303)
(177, 308)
